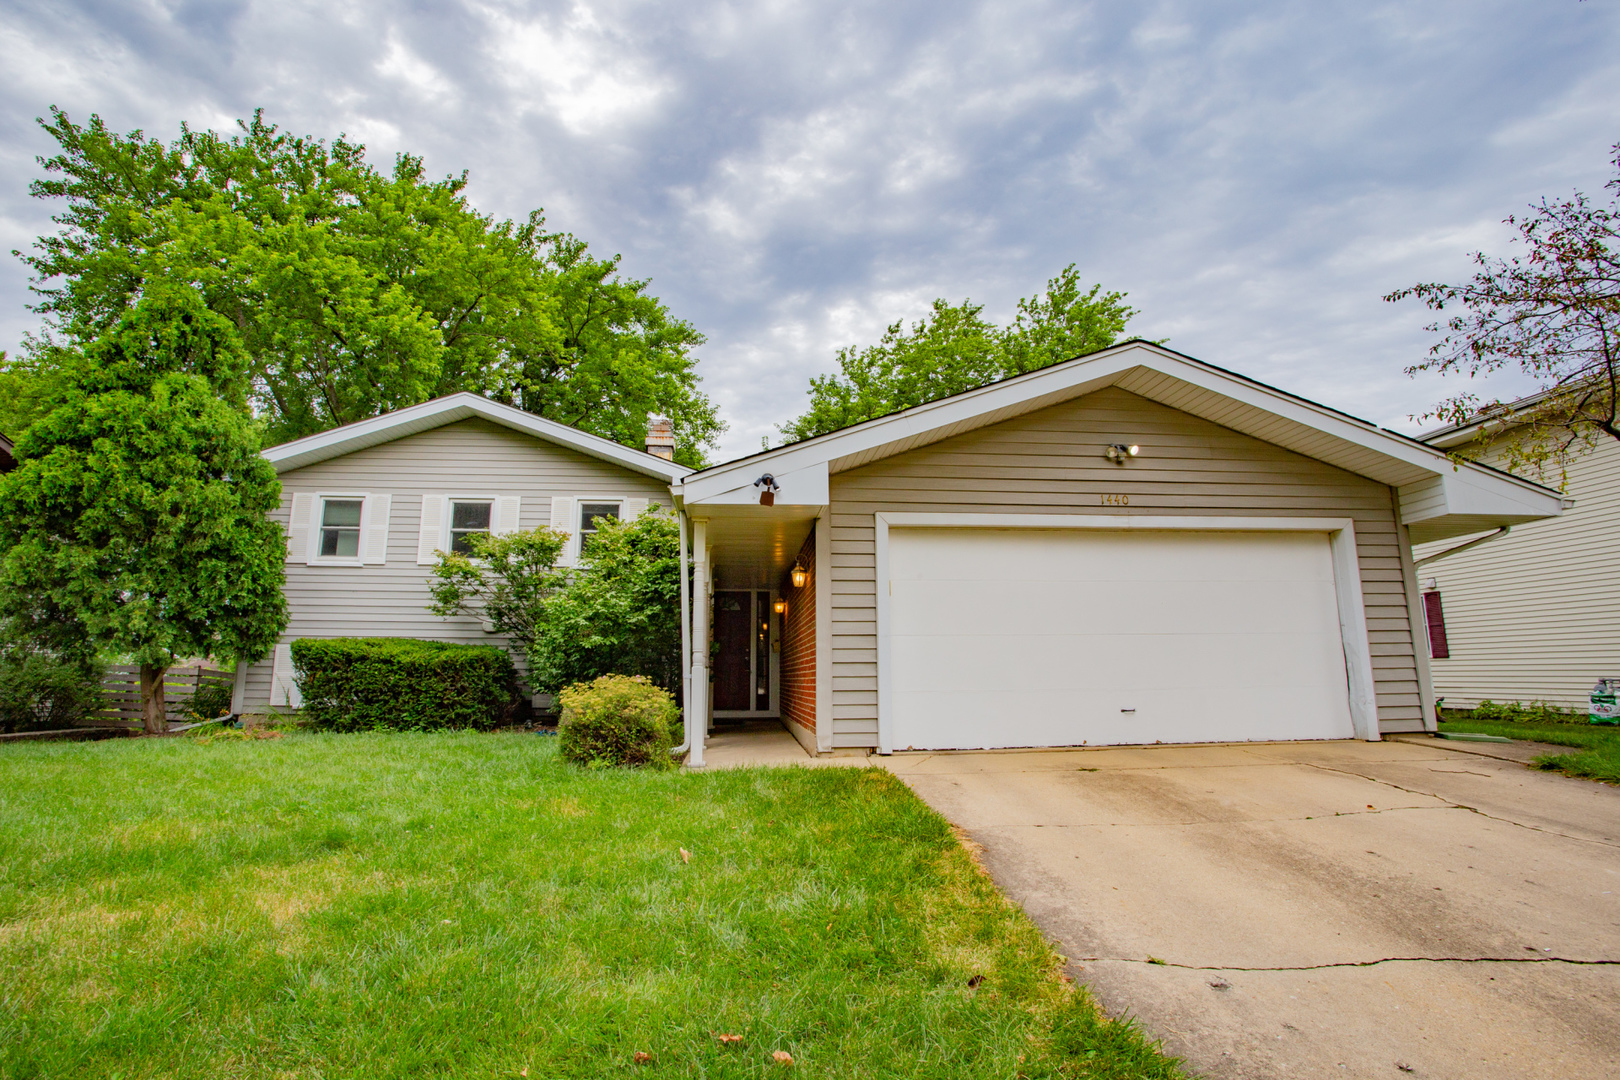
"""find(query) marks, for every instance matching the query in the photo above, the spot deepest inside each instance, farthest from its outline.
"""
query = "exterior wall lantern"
(768, 488)
(800, 575)
(1119, 453)
(780, 607)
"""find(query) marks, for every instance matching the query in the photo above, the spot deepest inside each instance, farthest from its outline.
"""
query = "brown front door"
(733, 631)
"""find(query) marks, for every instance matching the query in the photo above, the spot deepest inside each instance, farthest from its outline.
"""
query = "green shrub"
(1513, 712)
(364, 684)
(41, 692)
(213, 700)
(617, 720)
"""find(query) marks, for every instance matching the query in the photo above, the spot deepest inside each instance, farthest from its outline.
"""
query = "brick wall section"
(797, 671)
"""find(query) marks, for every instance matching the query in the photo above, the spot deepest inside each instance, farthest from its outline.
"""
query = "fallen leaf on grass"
(686, 856)
(641, 1057)
(973, 983)
(728, 1038)
(782, 1057)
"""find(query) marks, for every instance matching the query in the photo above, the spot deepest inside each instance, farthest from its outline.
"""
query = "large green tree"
(134, 523)
(955, 348)
(353, 291)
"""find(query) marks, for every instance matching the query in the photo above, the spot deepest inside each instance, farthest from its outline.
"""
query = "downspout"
(698, 715)
(686, 642)
(1503, 531)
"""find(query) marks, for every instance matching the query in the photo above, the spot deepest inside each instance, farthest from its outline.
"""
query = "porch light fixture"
(800, 575)
(768, 487)
(780, 607)
(1119, 453)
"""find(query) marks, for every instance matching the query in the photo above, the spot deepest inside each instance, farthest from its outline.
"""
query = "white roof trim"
(448, 410)
(1159, 374)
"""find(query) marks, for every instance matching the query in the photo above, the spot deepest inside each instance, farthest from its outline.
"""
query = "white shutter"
(506, 515)
(284, 691)
(431, 538)
(374, 538)
(562, 517)
(633, 508)
(299, 520)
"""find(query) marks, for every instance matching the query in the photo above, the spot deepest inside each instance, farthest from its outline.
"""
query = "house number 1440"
(1116, 500)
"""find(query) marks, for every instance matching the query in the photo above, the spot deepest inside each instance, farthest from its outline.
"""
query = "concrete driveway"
(1316, 909)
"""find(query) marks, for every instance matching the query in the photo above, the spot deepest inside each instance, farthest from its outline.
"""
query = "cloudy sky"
(794, 176)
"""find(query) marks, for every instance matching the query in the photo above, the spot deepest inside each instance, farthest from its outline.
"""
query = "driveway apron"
(1315, 909)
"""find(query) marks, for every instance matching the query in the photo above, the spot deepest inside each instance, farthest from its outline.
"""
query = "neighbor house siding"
(796, 674)
(1051, 461)
(471, 457)
(1535, 615)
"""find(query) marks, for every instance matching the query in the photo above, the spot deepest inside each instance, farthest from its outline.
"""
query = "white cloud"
(796, 175)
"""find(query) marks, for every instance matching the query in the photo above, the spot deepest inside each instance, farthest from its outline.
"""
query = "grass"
(322, 906)
(1597, 746)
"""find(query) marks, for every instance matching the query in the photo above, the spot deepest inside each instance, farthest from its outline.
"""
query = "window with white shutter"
(298, 521)
(562, 519)
(284, 690)
(374, 537)
(430, 538)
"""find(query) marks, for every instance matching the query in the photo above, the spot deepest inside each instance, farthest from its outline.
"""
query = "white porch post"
(697, 712)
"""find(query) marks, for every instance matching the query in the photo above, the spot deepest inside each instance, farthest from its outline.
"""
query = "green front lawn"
(1598, 745)
(461, 905)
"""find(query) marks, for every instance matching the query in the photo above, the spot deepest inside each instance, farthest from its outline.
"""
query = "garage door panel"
(1069, 607)
(1061, 638)
(1188, 663)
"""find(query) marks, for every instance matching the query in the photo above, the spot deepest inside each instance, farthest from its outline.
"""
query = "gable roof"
(1438, 497)
(448, 410)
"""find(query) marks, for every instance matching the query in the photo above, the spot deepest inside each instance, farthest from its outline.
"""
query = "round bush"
(617, 720)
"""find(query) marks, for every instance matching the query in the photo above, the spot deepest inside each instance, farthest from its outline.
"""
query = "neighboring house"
(8, 455)
(366, 505)
(1130, 547)
(1532, 615)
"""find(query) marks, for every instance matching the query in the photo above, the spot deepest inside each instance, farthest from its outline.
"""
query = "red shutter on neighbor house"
(1437, 626)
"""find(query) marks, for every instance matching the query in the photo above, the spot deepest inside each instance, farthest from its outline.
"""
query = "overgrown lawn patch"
(456, 905)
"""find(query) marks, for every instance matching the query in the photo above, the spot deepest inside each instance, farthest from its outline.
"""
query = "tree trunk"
(154, 710)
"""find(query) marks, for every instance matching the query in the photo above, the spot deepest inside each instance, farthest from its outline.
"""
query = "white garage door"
(1070, 637)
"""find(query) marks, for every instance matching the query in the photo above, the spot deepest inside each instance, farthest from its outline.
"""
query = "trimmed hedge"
(365, 684)
(617, 720)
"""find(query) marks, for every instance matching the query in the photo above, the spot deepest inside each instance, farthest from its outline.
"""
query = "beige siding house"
(1130, 547)
(1533, 615)
(365, 506)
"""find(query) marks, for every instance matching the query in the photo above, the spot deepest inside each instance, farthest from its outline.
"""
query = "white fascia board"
(1073, 379)
(808, 486)
(448, 410)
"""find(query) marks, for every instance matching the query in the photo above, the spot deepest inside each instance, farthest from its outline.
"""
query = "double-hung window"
(340, 529)
(468, 518)
(592, 512)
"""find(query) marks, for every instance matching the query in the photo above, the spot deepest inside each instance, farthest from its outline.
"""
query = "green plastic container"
(1605, 709)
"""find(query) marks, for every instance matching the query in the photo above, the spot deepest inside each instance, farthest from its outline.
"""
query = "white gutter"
(1503, 531)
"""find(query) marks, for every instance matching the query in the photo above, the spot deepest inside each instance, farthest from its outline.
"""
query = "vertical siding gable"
(470, 457)
(1051, 462)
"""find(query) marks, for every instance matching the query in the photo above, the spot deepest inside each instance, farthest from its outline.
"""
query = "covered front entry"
(1064, 637)
(745, 654)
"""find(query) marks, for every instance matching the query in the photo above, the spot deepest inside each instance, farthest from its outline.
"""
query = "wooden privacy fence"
(180, 685)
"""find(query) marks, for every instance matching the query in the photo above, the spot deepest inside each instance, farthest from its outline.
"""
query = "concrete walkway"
(1316, 909)
(765, 742)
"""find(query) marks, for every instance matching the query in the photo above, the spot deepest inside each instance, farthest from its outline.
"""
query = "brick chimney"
(660, 436)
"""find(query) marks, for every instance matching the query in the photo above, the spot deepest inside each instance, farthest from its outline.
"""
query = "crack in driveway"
(1152, 962)
(1456, 805)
